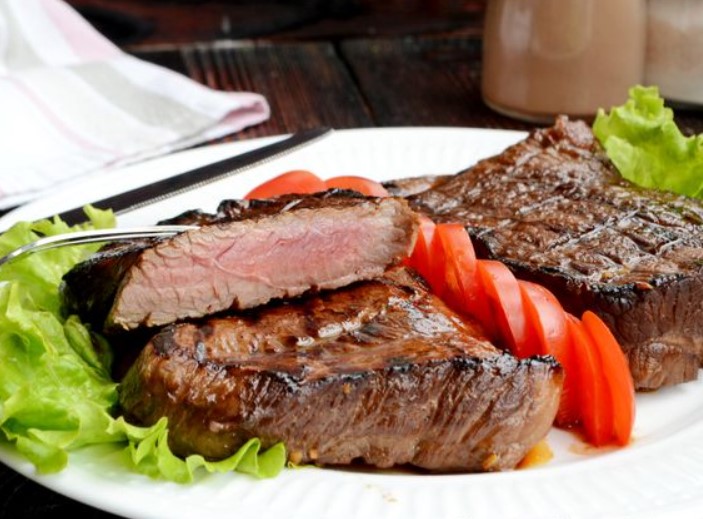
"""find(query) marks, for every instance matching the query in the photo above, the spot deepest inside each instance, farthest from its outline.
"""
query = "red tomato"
(419, 259)
(595, 406)
(570, 405)
(503, 295)
(298, 181)
(460, 263)
(363, 185)
(616, 371)
(549, 336)
(437, 274)
(546, 320)
(428, 257)
(464, 292)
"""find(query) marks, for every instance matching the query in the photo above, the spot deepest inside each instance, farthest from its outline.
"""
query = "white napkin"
(72, 104)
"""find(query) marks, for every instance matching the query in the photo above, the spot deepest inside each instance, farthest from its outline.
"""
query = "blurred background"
(158, 22)
(522, 60)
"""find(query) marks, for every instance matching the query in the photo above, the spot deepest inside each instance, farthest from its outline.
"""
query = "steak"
(380, 371)
(244, 255)
(556, 211)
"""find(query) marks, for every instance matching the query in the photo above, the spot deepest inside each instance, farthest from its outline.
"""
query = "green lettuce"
(56, 394)
(647, 147)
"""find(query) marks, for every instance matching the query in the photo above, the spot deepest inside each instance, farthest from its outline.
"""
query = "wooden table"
(422, 69)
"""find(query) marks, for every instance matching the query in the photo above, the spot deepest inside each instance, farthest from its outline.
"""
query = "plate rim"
(237, 146)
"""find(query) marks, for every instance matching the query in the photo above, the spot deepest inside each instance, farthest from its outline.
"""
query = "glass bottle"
(542, 58)
(674, 60)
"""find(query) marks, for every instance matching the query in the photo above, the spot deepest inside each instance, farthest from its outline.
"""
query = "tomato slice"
(460, 263)
(419, 259)
(298, 181)
(570, 405)
(464, 292)
(548, 335)
(437, 271)
(363, 185)
(595, 406)
(546, 320)
(616, 371)
(503, 294)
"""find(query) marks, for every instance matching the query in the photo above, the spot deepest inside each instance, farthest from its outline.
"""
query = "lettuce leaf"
(149, 454)
(56, 394)
(647, 147)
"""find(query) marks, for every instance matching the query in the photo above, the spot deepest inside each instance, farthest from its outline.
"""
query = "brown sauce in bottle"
(547, 57)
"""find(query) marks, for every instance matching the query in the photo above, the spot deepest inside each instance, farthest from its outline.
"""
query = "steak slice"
(244, 255)
(556, 211)
(380, 371)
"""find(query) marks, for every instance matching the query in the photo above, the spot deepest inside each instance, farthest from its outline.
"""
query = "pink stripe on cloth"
(253, 110)
(56, 121)
(83, 39)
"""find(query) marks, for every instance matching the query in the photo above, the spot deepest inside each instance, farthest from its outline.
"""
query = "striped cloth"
(72, 104)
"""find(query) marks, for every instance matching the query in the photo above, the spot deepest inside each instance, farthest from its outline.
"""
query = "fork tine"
(93, 236)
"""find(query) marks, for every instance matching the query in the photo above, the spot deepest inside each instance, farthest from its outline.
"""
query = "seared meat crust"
(380, 371)
(556, 211)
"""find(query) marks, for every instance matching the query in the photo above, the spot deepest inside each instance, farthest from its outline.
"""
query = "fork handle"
(94, 236)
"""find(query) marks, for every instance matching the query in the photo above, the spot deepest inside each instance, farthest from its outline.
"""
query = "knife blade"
(198, 177)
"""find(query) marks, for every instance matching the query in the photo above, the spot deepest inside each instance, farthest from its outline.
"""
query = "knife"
(198, 177)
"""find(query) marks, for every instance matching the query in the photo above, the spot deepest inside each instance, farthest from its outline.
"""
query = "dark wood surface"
(355, 82)
(340, 64)
(360, 82)
(138, 23)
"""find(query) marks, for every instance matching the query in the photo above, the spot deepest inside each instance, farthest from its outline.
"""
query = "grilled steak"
(244, 255)
(406, 187)
(554, 208)
(380, 371)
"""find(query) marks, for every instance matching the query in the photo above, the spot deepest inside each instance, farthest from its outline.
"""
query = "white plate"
(659, 475)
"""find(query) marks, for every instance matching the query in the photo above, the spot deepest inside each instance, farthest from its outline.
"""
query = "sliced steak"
(554, 208)
(244, 255)
(380, 371)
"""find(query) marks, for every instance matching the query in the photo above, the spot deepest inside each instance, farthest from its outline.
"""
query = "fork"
(94, 236)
